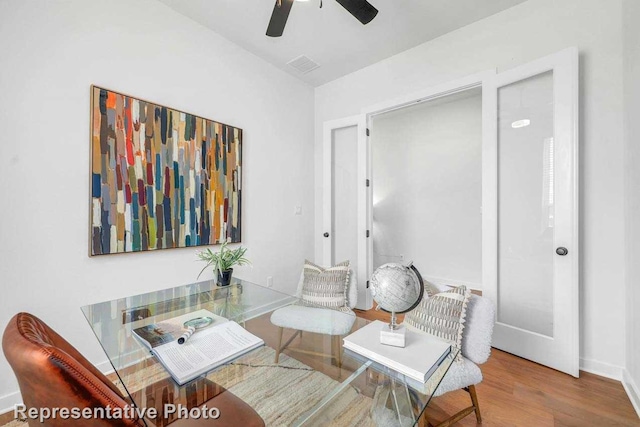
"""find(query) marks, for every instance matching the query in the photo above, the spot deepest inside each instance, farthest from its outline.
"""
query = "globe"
(397, 288)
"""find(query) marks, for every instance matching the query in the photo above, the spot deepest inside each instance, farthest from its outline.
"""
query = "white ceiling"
(331, 36)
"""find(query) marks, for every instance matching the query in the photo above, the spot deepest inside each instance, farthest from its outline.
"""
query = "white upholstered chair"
(326, 321)
(476, 348)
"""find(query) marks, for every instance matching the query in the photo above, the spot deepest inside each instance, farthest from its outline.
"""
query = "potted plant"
(223, 262)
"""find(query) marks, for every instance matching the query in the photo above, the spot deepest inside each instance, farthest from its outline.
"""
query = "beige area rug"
(281, 393)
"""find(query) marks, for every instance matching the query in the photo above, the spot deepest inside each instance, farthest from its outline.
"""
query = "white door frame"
(359, 121)
(564, 65)
(486, 80)
(479, 80)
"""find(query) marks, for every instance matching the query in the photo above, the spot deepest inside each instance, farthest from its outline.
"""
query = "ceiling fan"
(362, 10)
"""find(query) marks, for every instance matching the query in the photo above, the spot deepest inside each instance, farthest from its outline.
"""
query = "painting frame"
(191, 163)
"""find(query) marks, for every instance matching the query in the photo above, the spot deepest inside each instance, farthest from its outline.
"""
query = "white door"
(345, 196)
(530, 210)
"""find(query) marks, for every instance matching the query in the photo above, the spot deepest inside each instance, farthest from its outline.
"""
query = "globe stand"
(393, 334)
(397, 288)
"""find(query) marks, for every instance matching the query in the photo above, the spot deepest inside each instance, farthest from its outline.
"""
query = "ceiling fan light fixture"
(362, 10)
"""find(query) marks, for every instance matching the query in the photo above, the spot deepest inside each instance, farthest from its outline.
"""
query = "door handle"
(562, 251)
(326, 234)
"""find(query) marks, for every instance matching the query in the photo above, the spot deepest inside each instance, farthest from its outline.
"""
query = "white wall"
(51, 52)
(427, 188)
(631, 13)
(523, 33)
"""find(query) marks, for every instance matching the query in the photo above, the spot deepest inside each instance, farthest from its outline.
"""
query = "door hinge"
(367, 284)
(368, 233)
(368, 183)
(368, 132)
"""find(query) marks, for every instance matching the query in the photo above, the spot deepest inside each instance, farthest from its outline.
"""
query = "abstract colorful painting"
(161, 178)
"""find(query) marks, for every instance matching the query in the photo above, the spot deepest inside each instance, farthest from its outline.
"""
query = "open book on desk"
(207, 349)
(418, 360)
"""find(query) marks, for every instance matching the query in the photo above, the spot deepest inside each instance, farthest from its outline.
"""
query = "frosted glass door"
(344, 199)
(526, 204)
(530, 210)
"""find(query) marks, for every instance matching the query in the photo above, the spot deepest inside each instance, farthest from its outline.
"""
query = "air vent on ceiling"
(303, 64)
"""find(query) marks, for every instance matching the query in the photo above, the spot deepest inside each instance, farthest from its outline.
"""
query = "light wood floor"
(517, 392)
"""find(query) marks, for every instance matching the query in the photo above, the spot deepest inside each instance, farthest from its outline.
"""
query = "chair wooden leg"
(279, 344)
(282, 347)
(457, 417)
(466, 411)
(474, 401)
(335, 354)
(424, 420)
(334, 350)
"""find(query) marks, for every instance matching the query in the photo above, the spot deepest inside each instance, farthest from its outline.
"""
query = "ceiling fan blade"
(362, 10)
(279, 18)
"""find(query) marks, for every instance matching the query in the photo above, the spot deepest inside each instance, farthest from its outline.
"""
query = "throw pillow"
(442, 315)
(326, 287)
(430, 289)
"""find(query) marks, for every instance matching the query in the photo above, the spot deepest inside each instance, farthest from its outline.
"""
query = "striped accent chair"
(464, 373)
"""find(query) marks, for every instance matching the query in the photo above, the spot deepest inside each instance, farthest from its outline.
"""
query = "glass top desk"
(302, 389)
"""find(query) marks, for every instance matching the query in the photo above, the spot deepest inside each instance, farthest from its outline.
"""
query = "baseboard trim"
(8, 402)
(602, 369)
(632, 389)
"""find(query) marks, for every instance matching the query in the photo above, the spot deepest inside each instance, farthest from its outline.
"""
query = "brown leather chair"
(53, 374)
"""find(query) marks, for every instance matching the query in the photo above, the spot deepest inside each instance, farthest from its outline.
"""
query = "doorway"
(529, 205)
(346, 200)
(427, 188)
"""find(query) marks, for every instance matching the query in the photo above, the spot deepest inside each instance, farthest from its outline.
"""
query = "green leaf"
(223, 260)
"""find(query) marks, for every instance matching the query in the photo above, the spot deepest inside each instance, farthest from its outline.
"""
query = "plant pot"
(224, 278)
